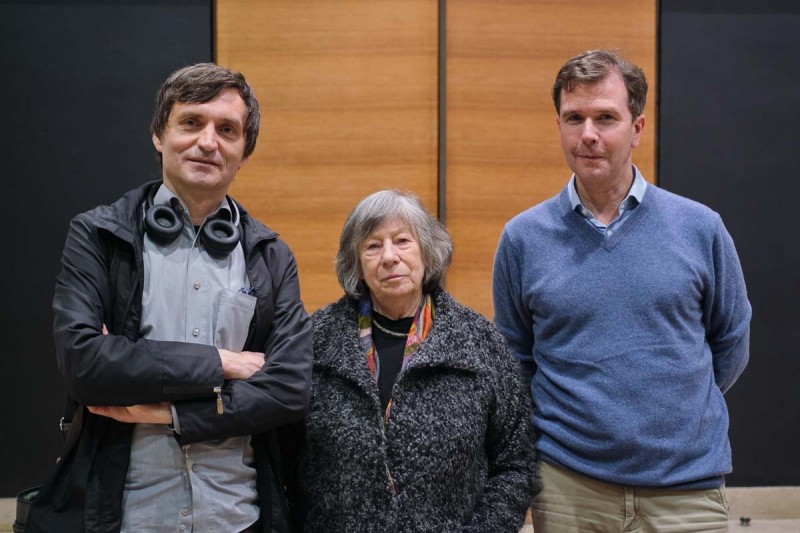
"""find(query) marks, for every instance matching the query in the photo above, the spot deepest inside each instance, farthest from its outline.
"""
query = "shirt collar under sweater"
(633, 199)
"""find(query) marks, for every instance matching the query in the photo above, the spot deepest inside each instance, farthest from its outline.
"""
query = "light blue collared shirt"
(626, 206)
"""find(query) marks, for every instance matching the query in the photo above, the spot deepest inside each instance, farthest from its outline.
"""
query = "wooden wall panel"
(503, 151)
(348, 97)
(348, 91)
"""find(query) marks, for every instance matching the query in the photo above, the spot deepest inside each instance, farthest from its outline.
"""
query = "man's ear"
(638, 127)
(245, 160)
(157, 142)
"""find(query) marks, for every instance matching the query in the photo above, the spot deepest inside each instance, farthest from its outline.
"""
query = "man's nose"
(207, 139)
(589, 132)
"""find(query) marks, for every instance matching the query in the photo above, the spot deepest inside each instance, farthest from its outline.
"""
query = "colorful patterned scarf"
(420, 328)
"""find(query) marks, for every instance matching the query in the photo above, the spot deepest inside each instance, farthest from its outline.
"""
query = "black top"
(389, 350)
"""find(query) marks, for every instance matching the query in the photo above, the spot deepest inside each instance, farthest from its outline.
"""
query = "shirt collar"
(636, 191)
(165, 196)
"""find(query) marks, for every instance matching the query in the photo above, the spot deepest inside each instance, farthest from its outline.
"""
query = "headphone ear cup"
(162, 224)
(219, 237)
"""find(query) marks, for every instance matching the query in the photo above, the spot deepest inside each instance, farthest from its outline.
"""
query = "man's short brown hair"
(201, 83)
(593, 66)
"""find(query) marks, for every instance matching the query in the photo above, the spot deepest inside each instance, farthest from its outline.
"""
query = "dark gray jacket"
(459, 442)
(101, 282)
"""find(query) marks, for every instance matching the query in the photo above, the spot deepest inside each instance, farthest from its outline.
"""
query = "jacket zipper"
(220, 408)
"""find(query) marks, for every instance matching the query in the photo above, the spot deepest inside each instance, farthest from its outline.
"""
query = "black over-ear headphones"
(219, 236)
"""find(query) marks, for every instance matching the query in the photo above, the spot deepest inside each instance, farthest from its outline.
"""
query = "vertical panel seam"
(657, 103)
(213, 7)
(441, 115)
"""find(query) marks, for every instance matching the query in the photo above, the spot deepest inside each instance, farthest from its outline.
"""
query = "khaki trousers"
(572, 503)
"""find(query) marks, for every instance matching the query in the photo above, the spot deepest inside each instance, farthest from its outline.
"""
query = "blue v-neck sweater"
(630, 339)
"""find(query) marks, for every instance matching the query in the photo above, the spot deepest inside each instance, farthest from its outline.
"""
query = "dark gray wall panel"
(78, 85)
(729, 138)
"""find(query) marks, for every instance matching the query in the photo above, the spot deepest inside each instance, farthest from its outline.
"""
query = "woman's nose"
(389, 253)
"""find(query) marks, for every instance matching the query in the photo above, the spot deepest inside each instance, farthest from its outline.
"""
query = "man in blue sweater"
(627, 308)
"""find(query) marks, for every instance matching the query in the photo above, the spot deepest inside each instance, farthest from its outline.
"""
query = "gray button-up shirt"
(206, 487)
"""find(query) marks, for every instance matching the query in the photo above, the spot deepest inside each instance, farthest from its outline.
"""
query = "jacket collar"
(124, 218)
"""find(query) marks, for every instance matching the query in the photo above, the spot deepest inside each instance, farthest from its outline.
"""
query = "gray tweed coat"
(459, 443)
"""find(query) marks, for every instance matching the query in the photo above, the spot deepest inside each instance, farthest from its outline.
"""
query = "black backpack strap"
(70, 408)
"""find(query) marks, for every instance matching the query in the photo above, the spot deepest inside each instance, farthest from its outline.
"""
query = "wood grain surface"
(348, 91)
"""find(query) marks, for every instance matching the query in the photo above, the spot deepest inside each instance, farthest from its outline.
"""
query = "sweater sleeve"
(112, 369)
(511, 315)
(727, 312)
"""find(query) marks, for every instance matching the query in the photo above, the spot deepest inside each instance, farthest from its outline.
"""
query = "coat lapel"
(337, 349)
(444, 346)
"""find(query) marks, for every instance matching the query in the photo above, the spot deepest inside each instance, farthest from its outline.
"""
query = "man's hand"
(153, 413)
(240, 365)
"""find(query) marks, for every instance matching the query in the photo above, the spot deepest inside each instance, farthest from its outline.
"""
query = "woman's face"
(392, 268)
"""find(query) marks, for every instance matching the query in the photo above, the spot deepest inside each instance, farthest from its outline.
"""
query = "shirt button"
(195, 332)
(182, 527)
(185, 511)
(609, 233)
(196, 285)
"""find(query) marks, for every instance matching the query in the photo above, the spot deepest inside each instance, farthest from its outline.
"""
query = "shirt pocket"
(232, 321)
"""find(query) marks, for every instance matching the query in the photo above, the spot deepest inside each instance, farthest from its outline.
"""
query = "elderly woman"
(418, 421)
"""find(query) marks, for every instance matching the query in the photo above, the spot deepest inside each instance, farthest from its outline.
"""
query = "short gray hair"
(594, 66)
(435, 243)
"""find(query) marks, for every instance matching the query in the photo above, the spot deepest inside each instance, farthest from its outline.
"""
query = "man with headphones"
(181, 337)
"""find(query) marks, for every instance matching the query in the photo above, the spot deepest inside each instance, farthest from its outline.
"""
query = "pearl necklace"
(387, 330)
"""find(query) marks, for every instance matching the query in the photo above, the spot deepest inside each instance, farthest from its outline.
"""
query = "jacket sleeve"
(727, 312)
(277, 394)
(511, 316)
(513, 472)
(113, 369)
